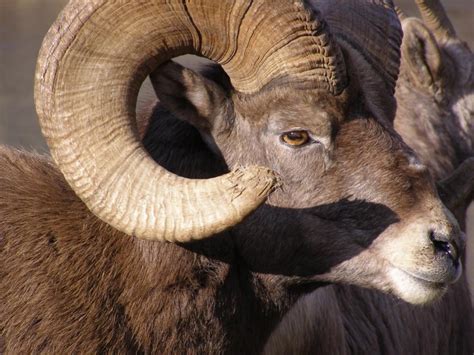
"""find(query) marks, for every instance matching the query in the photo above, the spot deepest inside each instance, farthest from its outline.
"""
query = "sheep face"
(354, 206)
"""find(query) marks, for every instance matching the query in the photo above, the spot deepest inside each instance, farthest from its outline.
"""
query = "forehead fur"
(291, 101)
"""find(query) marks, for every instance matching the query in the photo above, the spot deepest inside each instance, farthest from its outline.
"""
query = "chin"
(415, 290)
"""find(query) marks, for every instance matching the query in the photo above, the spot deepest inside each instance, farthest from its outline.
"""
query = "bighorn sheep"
(435, 96)
(434, 116)
(312, 109)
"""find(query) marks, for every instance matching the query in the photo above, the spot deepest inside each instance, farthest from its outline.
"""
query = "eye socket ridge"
(297, 138)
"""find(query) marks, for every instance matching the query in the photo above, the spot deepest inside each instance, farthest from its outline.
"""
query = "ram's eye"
(295, 138)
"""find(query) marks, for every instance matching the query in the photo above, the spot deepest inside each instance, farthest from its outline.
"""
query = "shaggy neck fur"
(124, 294)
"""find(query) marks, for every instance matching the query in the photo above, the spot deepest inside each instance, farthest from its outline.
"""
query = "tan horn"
(90, 68)
(401, 15)
(435, 18)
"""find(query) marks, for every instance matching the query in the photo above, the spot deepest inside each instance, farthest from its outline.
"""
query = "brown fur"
(364, 321)
(434, 116)
(436, 101)
(81, 286)
(70, 283)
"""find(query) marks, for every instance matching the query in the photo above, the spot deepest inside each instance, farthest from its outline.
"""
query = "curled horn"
(90, 68)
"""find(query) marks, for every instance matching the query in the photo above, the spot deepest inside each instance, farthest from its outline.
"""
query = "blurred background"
(23, 23)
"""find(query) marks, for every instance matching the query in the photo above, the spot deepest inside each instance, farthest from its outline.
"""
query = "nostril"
(441, 245)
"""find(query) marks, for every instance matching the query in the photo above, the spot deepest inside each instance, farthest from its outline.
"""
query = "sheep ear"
(421, 56)
(188, 95)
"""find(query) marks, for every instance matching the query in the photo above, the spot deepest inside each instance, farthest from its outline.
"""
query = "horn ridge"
(90, 68)
(435, 18)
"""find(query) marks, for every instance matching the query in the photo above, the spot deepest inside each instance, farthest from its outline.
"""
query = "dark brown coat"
(71, 283)
(435, 117)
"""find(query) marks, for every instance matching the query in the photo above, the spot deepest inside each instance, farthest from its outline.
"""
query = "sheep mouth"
(420, 288)
(424, 279)
(449, 276)
(414, 288)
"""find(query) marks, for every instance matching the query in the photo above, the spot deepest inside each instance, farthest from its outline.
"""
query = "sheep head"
(436, 102)
(353, 205)
(436, 87)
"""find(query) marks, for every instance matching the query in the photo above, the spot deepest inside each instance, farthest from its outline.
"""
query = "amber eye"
(295, 138)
